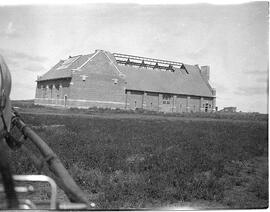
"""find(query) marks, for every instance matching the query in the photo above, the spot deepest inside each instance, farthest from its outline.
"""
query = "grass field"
(132, 162)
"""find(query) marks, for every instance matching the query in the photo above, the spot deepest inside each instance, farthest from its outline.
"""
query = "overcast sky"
(232, 39)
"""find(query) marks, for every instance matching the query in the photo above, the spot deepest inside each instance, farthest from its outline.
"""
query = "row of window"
(181, 106)
(204, 105)
(48, 92)
(207, 105)
(50, 87)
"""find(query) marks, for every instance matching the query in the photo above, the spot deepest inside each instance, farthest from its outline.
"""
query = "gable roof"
(63, 69)
(178, 78)
(177, 82)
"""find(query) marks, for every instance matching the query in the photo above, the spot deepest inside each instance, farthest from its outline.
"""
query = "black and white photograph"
(134, 105)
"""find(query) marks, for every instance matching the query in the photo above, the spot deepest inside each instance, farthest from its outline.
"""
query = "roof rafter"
(147, 62)
(126, 56)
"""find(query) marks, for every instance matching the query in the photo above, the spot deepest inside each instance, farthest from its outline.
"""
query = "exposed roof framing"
(146, 62)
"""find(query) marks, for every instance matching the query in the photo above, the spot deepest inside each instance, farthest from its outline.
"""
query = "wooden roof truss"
(147, 62)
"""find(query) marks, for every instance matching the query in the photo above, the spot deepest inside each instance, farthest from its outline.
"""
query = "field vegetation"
(154, 162)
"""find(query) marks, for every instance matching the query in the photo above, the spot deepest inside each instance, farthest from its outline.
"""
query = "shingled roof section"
(181, 81)
(155, 80)
(57, 72)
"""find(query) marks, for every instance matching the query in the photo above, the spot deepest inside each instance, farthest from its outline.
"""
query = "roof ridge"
(147, 59)
(74, 56)
(90, 58)
(111, 62)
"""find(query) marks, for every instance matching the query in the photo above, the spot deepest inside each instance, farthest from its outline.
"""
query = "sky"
(231, 39)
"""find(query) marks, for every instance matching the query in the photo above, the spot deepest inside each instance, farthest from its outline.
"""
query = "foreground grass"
(142, 163)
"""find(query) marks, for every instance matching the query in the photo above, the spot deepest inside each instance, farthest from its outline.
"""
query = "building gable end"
(100, 65)
(87, 61)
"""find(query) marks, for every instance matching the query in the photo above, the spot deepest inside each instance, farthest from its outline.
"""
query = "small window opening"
(166, 99)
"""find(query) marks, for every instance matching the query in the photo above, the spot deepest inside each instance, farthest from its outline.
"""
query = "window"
(206, 107)
(166, 99)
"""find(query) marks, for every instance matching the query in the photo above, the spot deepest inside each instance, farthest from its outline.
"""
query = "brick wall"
(195, 104)
(152, 102)
(52, 92)
(135, 99)
(166, 104)
(176, 103)
(97, 84)
(181, 104)
(210, 102)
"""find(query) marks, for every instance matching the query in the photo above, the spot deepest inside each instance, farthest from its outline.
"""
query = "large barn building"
(111, 80)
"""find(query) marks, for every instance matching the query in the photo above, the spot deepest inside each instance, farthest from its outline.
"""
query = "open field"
(130, 161)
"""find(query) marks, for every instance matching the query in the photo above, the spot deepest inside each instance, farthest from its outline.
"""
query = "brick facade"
(99, 83)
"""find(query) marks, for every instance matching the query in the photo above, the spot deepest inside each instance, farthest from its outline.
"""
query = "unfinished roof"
(142, 74)
(156, 80)
(162, 76)
(145, 61)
